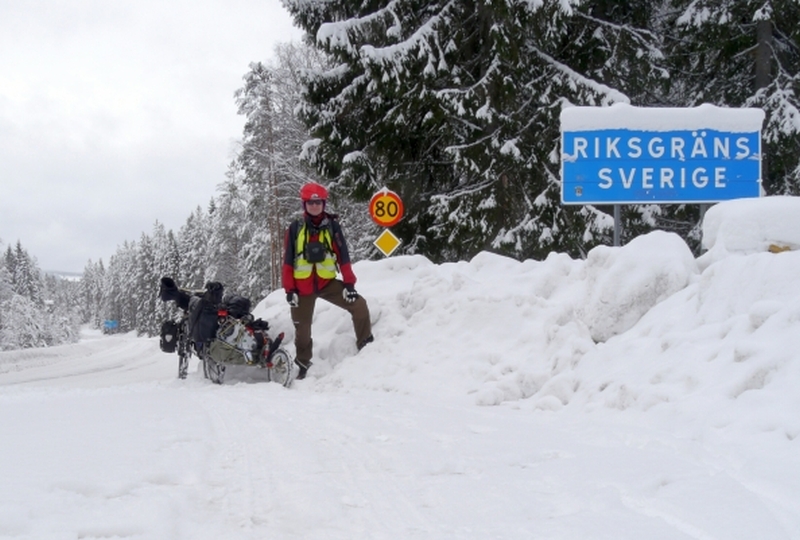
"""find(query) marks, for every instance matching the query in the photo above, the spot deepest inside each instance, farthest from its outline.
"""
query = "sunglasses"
(315, 201)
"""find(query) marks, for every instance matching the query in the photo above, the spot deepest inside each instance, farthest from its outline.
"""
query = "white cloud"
(117, 114)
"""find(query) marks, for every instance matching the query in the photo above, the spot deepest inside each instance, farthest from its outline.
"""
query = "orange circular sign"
(386, 208)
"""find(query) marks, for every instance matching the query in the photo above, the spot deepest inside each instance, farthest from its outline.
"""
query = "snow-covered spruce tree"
(111, 304)
(62, 314)
(258, 250)
(6, 292)
(144, 288)
(27, 328)
(91, 293)
(119, 300)
(165, 252)
(256, 166)
(192, 248)
(455, 104)
(9, 263)
(6, 288)
(36, 310)
(166, 263)
(225, 243)
(744, 53)
(26, 277)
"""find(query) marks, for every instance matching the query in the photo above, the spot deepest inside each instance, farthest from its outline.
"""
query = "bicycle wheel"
(183, 365)
(205, 368)
(215, 371)
(184, 352)
(281, 370)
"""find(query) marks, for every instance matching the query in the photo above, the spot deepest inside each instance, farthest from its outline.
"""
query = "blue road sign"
(622, 166)
(110, 325)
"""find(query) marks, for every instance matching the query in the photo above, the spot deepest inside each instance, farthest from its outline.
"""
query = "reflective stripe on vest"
(302, 268)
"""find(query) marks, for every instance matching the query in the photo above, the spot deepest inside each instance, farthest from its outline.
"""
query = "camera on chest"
(314, 252)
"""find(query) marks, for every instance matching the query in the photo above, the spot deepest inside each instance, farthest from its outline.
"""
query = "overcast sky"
(118, 113)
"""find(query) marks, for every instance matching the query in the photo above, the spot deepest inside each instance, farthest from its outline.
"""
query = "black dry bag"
(169, 336)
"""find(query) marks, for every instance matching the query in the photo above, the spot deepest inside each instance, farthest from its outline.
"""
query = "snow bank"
(748, 226)
(624, 284)
(628, 328)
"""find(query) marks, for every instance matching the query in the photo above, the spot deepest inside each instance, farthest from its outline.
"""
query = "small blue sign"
(622, 166)
(110, 325)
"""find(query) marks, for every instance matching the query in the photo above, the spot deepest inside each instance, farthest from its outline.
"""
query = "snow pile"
(616, 297)
(631, 327)
(749, 226)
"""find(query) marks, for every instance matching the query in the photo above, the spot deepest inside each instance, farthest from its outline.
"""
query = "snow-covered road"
(100, 440)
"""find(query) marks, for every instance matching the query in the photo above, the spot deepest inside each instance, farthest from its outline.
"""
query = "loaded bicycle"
(221, 332)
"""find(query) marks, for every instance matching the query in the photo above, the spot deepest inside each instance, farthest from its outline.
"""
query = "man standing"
(315, 250)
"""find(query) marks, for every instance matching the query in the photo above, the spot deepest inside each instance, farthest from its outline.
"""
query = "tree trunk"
(763, 79)
(763, 54)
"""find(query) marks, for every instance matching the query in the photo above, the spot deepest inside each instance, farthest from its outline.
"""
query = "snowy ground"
(641, 393)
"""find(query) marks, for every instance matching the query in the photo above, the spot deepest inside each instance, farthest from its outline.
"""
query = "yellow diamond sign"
(387, 242)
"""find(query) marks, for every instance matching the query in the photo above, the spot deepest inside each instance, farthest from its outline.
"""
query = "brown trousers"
(303, 314)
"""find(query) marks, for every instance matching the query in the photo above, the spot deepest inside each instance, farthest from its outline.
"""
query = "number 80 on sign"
(386, 208)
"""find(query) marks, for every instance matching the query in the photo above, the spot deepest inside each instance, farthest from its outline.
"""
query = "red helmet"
(312, 190)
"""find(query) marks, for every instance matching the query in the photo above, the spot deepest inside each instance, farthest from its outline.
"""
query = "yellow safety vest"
(325, 269)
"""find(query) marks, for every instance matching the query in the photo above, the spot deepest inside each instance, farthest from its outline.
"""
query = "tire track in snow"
(232, 475)
(286, 474)
(362, 471)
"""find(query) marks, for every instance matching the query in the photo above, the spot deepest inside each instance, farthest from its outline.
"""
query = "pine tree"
(91, 292)
(166, 262)
(225, 243)
(258, 250)
(192, 247)
(26, 278)
(744, 53)
(257, 162)
(61, 313)
(455, 106)
(36, 310)
(6, 292)
(26, 329)
(10, 264)
(144, 288)
(119, 300)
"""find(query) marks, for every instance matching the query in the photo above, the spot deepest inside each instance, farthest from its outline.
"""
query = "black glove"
(293, 299)
(349, 293)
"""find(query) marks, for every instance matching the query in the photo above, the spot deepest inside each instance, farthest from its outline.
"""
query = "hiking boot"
(368, 339)
(303, 370)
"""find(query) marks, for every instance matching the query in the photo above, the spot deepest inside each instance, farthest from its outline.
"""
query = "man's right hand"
(293, 299)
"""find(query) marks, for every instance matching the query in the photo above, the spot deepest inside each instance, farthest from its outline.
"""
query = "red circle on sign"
(386, 208)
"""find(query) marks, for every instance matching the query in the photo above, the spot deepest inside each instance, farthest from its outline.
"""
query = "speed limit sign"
(386, 208)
